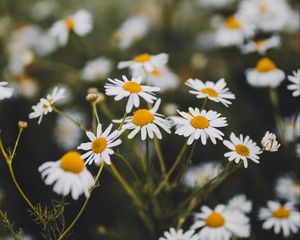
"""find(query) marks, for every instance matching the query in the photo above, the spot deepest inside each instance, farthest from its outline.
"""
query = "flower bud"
(22, 124)
(269, 142)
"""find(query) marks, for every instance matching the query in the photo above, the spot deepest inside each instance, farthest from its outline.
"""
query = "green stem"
(16, 144)
(96, 112)
(63, 235)
(60, 112)
(204, 104)
(160, 157)
(122, 122)
(128, 165)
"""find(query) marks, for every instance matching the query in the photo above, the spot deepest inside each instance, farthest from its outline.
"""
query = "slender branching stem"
(160, 156)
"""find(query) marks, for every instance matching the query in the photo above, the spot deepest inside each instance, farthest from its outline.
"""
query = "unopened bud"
(95, 97)
(22, 124)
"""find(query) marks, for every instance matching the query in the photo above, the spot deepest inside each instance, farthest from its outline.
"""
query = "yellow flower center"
(132, 87)
(262, 7)
(210, 92)
(98, 145)
(215, 220)
(50, 102)
(69, 23)
(155, 72)
(72, 162)
(145, 57)
(265, 65)
(281, 213)
(142, 117)
(242, 150)
(232, 23)
(200, 122)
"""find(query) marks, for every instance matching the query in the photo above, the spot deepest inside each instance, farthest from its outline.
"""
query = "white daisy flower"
(45, 44)
(292, 128)
(96, 69)
(131, 89)
(80, 23)
(147, 122)
(200, 124)
(27, 87)
(265, 74)
(240, 203)
(288, 188)
(217, 92)
(242, 148)
(282, 217)
(99, 147)
(161, 77)
(215, 3)
(261, 45)
(174, 234)
(5, 92)
(69, 175)
(220, 223)
(233, 32)
(145, 62)
(45, 104)
(269, 142)
(201, 174)
(295, 83)
(131, 31)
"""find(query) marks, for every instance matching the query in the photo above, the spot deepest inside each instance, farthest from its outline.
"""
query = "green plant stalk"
(64, 234)
(96, 112)
(160, 157)
(9, 226)
(128, 165)
(122, 122)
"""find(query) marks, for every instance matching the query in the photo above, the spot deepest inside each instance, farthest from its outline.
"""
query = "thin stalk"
(147, 156)
(204, 104)
(122, 122)
(60, 112)
(63, 235)
(166, 178)
(128, 165)
(96, 112)
(160, 157)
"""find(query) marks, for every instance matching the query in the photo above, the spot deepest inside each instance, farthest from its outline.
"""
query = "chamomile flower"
(269, 142)
(288, 188)
(242, 148)
(295, 83)
(131, 89)
(96, 69)
(233, 32)
(201, 174)
(215, 3)
(261, 45)
(220, 224)
(80, 23)
(145, 62)
(99, 147)
(200, 124)
(69, 175)
(282, 217)
(174, 234)
(45, 105)
(217, 92)
(5, 92)
(147, 122)
(265, 74)
(240, 203)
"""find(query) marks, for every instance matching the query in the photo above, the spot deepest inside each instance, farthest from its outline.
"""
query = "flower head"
(288, 188)
(261, 45)
(295, 83)
(265, 74)
(96, 69)
(5, 92)
(269, 142)
(282, 217)
(173, 234)
(147, 122)
(69, 175)
(99, 147)
(45, 105)
(80, 23)
(216, 92)
(242, 148)
(240, 203)
(131, 89)
(200, 124)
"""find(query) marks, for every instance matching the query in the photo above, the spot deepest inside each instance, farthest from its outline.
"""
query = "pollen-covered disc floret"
(99, 147)
(217, 92)
(179, 234)
(145, 62)
(131, 89)
(220, 224)
(5, 92)
(69, 175)
(294, 83)
(147, 122)
(80, 23)
(200, 124)
(265, 74)
(45, 105)
(242, 148)
(282, 217)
